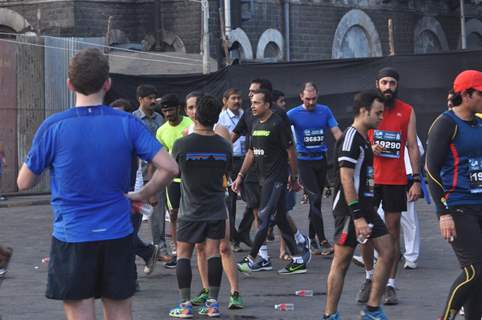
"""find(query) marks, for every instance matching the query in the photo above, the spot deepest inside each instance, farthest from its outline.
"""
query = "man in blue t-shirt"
(88, 150)
(311, 123)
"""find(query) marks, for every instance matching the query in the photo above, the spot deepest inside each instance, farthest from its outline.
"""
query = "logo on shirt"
(261, 133)
(258, 152)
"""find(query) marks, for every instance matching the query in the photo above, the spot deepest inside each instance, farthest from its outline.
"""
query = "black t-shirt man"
(204, 162)
(269, 141)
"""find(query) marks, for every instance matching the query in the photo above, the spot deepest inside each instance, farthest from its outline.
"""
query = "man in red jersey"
(396, 130)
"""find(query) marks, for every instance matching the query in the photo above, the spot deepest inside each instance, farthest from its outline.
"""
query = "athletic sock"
(299, 237)
(263, 252)
(391, 283)
(215, 273)
(184, 278)
(369, 274)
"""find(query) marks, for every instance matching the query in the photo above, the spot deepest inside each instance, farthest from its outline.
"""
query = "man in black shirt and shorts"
(355, 217)
(270, 141)
(205, 160)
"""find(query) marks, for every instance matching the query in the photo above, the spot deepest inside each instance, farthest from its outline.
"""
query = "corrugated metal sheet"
(8, 114)
(30, 97)
(58, 52)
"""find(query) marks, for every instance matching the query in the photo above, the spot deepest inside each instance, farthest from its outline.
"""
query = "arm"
(336, 132)
(166, 170)
(413, 152)
(247, 163)
(439, 138)
(293, 181)
(26, 178)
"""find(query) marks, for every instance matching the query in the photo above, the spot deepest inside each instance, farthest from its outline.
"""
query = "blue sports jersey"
(311, 128)
(462, 171)
(89, 152)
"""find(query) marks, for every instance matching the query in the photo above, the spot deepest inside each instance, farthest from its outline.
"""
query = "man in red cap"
(454, 167)
(397, 130)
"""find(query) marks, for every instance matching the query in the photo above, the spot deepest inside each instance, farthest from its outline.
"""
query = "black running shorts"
(392, 197)
(95, 269)
(174, 195)
(199, 231)
(251, 193)
(345, 234)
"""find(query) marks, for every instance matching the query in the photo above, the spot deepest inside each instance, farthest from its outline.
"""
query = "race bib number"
(313, 138)
(475, 175)
(370, 183)
(390, 141)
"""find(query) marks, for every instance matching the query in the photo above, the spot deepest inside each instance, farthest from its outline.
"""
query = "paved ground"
(27, 228)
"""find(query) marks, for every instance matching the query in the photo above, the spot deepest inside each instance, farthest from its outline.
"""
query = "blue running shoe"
(334, 316)
(261, 264)
(376, 315)
(183, 311)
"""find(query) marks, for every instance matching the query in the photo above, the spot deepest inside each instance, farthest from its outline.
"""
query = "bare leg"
(382, 269)
(202, 264)
(366, 251)
(173, 215)
(228, 261)
(336, 277)
(392, 221)
(79, 309)
(256, 218)
(117, 309)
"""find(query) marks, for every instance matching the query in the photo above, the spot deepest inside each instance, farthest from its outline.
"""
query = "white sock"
(263, 252)
(299, 237)
(369, 274)
(391, 282)
(297, 259)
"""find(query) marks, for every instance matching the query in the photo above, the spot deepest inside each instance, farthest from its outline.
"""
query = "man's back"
(89, 152)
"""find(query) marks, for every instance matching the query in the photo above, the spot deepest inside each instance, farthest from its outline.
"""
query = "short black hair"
(266, 95)
(276, 94)
(122, 103)
(364, 99)
(208, 109)
(145, 90)
(194, 94)
(263, 84)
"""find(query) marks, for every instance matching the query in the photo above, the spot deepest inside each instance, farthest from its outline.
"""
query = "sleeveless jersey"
(391, 134)
(462, 171)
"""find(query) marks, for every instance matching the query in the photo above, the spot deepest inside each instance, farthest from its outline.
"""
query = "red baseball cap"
(468, 79)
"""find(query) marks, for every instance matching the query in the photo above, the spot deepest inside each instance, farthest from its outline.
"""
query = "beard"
(389, 97)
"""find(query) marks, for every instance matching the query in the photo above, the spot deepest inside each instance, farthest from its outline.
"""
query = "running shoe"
(171, 264)
(236, 247)
(364, 293)
(409, 265)
(326, 248)
(358, 261)
(151, 263)
(375, 315)
(210, 309)
(244, 265)
(390, 296)
(235, 301)
(334, 316)
(305, 249)
(183, 310)
(293, 268)
(201, 298)
(261, 264)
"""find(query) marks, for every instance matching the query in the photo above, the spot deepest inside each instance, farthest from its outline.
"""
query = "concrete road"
(422, 292)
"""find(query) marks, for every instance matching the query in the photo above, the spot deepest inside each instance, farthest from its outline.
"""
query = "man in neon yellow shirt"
(167, 134)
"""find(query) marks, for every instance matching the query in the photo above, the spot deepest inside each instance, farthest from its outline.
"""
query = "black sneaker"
(261, 264)
(293, 268)
(171, 264)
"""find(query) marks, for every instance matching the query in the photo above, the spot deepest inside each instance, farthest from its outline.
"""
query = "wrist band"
(240, 174)
(355, 209)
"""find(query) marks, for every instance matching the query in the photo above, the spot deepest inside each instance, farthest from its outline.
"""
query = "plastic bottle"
(284, 307)
(304, 293)
(361, 238)
(142, 208)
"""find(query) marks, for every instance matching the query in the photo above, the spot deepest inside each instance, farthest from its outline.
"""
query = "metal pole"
(205, 9)
(462, 25)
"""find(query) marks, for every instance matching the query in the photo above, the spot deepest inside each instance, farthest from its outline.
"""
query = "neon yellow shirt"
(479, 115)
(168, 134)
